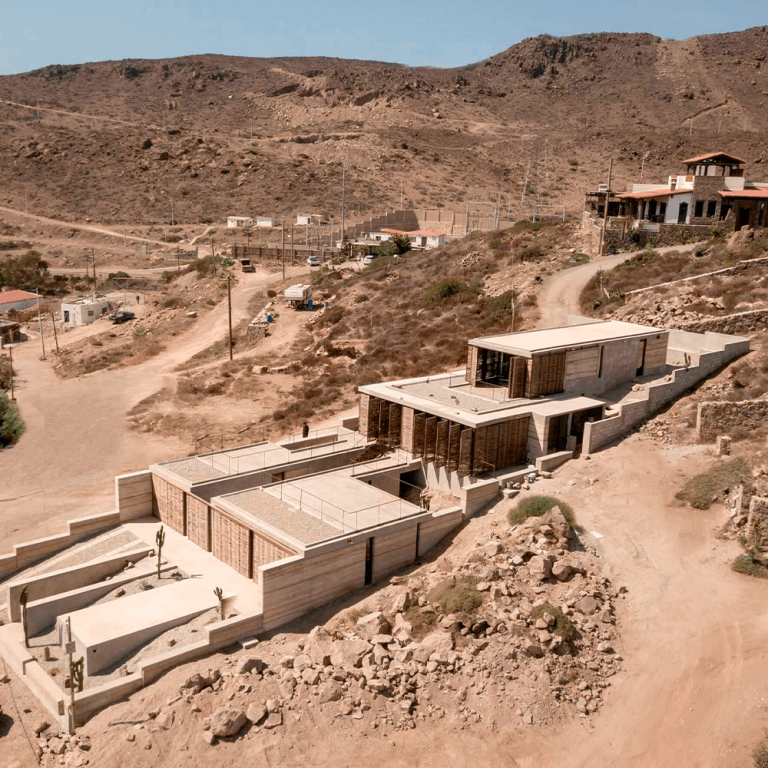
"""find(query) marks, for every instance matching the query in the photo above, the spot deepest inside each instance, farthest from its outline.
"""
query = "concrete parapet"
(553, 460)
(133, 495)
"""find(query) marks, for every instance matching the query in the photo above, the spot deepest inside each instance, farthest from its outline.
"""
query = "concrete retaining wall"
(740, 323)
(723, 350)
(724, 418)
(133, 495)
(30, 552)
(435, 528)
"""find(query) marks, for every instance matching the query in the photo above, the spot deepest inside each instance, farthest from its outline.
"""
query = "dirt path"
(559, 295)
(76, 436)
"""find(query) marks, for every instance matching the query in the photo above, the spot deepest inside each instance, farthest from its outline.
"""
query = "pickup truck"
(246, 266)
(123, 316)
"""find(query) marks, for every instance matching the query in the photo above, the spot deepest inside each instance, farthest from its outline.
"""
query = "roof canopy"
(648, 193)
(713, 157)
(759, 194)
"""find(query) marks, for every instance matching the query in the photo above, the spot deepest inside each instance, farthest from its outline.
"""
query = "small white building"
(84, 311)
(307, 219)
(420, 238)
(239, 222)
(265, 221)
(18, 300)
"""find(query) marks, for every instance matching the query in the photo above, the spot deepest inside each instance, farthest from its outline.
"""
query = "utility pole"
(605, 212)
(40, 322)
(171, 211)
(93, 259)
(213, 257)
(293, 252)
(10, 350)
(55, 335)
(690, 129)
(229, 309)
(343, 197)
(282, 227)
(525, 190)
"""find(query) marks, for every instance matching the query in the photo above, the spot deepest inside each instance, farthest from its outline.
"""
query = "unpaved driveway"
(76, 436)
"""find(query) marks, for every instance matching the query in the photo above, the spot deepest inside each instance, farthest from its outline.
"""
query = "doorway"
(369, 562)
(641, 358)
(743, 218)
(66, 315)
(682, 213)
(558, 433)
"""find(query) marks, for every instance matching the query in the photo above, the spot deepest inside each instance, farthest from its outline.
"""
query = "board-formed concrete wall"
(722, 418)
(133, 495)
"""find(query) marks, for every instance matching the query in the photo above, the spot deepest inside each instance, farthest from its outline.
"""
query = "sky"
(36, 33)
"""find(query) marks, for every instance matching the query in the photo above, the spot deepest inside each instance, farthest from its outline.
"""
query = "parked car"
(123, 316)
(313, 261)
(246, 266)
(369, 259)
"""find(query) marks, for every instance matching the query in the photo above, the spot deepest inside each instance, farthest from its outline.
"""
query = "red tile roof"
(653, 193)
(10, 297)
(711, 155)
(760, 194)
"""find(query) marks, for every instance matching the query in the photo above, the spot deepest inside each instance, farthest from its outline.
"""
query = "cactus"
(425, 503)
(77, 673)
(687, 360)
(159, 540)
(23, 598)
(219, 592)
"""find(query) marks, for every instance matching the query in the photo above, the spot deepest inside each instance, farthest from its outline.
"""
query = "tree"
(11, 425)
(401, 242)
(26, 271)
(387, 249)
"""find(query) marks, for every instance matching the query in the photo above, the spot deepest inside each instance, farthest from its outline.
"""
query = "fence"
(291, 254)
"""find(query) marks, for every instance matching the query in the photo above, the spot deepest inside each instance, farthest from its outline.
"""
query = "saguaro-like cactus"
(23, 598)
(687, 360)
(159, 540)
(219, 592)
(78, 673)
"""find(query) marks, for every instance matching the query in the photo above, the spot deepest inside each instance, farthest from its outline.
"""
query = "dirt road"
(559, 295)
(76, 436)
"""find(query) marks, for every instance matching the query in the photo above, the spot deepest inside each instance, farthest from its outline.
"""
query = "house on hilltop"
(713, 193)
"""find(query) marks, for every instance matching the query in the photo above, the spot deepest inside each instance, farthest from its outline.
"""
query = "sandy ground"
(77, 438)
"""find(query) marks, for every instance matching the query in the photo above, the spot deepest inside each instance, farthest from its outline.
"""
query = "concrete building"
(239, 222)
(307, 218)
(420, 238)
(265, 221)
(84, 311)
(712, 193)
(18, 300)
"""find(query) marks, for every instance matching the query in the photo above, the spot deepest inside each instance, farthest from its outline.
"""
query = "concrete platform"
(105, 633)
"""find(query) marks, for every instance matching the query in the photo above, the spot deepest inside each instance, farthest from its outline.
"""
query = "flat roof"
(529, 343)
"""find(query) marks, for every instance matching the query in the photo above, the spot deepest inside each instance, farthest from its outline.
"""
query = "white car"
(369, 259)
(313, 261)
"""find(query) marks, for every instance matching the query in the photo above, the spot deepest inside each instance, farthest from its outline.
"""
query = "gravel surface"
(96, 548)
(439, 392)
(194, 470)
(295, 522)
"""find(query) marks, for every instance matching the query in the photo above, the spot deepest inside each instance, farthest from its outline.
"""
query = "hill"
(118, 141)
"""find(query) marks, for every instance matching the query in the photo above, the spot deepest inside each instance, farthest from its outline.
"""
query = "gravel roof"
(294, 522)
(438, 391)
(194, 470)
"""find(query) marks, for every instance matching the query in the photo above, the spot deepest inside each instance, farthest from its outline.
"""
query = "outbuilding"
(84, 311)
(239, 222)
(18, 300)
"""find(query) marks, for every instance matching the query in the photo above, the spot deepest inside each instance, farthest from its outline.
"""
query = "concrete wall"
(65, 579)
(133, 495)
(31, 551)
(727, 418)
(472, 492)
(724, 349)
(740, 323)
(435, 528)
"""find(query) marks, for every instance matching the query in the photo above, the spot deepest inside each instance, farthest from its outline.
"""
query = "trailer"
(299, 296)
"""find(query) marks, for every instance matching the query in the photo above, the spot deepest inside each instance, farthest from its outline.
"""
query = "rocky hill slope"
(117, 141)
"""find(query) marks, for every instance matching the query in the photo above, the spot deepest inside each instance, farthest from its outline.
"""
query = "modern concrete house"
(531, 396)
(713, 192)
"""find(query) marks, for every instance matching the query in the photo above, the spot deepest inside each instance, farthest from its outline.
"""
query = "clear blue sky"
(449, 33)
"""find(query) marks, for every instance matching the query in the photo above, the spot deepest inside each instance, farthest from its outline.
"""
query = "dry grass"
(701, 491)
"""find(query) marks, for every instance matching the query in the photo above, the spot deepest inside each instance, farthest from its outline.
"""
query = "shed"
(18, 300)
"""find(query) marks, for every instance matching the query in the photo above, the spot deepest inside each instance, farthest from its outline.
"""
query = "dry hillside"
(116, 141)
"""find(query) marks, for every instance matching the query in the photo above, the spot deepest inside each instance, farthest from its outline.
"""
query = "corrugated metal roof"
(760, 194)
(711, 155)
(10, 297)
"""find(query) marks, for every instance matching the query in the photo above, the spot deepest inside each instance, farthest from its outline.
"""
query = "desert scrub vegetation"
(11, 425)
(422, 623)
(563, 627)
(457, 595)
(702, 490)
(751, 565)
(536, 506)
(760, 755)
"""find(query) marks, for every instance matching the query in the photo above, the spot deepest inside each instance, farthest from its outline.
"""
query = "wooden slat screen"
(547, 374)
(454, 443)
(492, 446)
(441, 452)
(406, 429)
(465, 452)
(383, 421)
(395, 424)
(472, 365)
(518, 368)
(430, 439)
(478, 455)
(419, 425)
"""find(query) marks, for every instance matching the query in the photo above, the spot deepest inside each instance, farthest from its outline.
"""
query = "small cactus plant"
(23, 598)
(687, 360)
(219, 592)
(159, 540)
(425, 501)
(78, 674)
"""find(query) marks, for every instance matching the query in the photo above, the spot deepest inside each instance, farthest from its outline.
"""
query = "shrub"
(11, 425)
(760, 756)
(333, 316)
(536, 506)
(496, 244)
(530, 253)
(360, 298)
(447, 288)
(457, 595)
(751, 566)
(563, 625)
(422, 623)
(701, 490)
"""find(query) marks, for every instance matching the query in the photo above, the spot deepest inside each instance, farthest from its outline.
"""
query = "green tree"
(25, 271)
(11, 425)
(387, 249)
(401, 242)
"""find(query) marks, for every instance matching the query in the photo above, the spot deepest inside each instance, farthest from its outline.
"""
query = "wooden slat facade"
(582, 364)
(546, 374)
(169, 504)
(199, 522)
(518, 375)
(430, 439)
(265, 550)
(454, 443)
(492, 447)
(656, 352)
(383, 420)
(370, 408)
(406, 429)
(478, 454)
(473, 367)
(395, 424)
(232, 543)
(419, 425)
(465, 451)
(441, 452)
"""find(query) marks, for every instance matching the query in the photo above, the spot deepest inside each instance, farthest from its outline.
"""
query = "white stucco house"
(239, 222)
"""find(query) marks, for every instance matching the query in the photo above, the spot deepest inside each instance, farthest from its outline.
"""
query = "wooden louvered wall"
(199, 522)
(441, 451)
(546, 374)
(419, 426)
(430, 438)
(265, 550)
(395, 424)
(232, 543)
(473, 365)
(168, 504)
(454, 444)
(406, 429)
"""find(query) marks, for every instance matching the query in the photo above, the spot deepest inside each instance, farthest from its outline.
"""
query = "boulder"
(373, 624)
(349, 653)
(562, 569)
(310, 676)
(318, 646)
(208, 738)
(533, 649)
(330, 692)
(493, 547)
(198, 682)
(286, 661)
(402, 602)
(165, 720)
(438, 641)
(539, 567)
(274, 719)
(302, 662)
(256, 712)
(227, 721)
(250, 664)
(587, 605)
